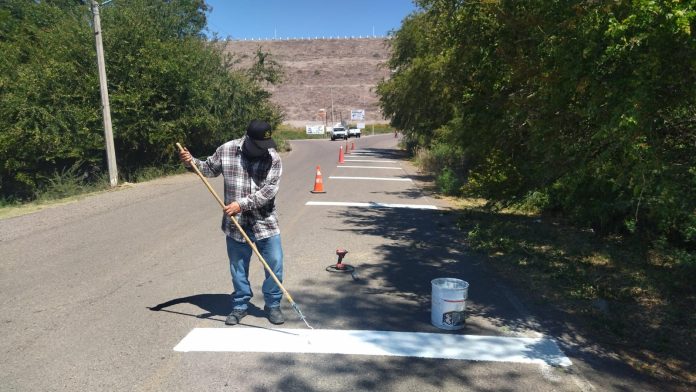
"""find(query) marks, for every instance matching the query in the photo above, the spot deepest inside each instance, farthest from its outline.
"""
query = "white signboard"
(357, 114)
(361, 125)
(315, 129)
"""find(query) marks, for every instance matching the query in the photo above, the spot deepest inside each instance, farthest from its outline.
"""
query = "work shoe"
(275, 316)
(235, 317)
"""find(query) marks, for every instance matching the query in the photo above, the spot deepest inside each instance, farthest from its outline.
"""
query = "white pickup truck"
(354, 132)
(339, 132)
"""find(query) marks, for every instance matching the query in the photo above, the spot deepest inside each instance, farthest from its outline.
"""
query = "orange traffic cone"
(341, 158)
(352, 145)
(347, 148)
(318, 182)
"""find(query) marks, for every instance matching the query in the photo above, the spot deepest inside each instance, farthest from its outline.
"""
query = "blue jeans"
(240, 255)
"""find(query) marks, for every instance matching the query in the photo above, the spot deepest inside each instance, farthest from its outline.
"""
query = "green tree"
(166, 83)
(48, 110)
(588, 103)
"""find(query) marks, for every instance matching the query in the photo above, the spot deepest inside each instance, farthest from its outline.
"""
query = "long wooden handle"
(244, 234)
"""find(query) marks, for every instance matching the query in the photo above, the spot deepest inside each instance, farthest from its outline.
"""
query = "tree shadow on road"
(393, 293)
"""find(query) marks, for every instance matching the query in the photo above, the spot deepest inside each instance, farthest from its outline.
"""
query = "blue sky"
(246, 19)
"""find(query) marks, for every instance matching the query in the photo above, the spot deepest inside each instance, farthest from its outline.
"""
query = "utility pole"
(332, 108)
(106, 112)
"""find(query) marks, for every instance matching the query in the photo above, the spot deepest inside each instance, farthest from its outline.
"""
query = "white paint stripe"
(401, 344)
(371, 178)
(370, 160)
(370, 167)
(371, 205)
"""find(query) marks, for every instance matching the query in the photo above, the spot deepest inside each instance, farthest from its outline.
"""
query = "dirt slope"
(317, 70)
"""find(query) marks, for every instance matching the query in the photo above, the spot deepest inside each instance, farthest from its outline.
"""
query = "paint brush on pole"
(251, 244)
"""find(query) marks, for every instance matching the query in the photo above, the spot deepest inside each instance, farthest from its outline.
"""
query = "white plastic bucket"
(448, 303)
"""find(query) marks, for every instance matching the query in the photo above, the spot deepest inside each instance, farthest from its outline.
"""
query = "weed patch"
(627, 295)
(68, 183)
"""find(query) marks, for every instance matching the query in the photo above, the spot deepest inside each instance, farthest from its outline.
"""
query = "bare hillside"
(317, 70)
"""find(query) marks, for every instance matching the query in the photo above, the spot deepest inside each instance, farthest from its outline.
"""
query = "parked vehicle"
(354, 132)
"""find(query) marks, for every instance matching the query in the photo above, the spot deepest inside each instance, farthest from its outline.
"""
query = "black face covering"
(251, 150)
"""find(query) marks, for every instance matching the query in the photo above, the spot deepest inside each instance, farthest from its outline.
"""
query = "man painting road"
(251, 168)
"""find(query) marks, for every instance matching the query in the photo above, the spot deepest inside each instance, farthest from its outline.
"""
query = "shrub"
(594, 108)
(166, 85)
(448, 183)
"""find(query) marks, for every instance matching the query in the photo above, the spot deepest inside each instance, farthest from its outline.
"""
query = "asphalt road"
(78, 282)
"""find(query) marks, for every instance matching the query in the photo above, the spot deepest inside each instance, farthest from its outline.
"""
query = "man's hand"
(185, 157)
(233, 209)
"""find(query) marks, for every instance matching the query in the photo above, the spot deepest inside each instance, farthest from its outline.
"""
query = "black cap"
(260, 133)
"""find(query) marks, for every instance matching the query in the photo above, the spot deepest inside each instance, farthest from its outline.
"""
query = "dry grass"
(623, 294)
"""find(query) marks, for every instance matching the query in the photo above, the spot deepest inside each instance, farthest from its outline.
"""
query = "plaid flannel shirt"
(252, 184)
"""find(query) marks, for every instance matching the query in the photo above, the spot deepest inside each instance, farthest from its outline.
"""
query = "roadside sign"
(357, 114)
(315, 129)
(361, 125)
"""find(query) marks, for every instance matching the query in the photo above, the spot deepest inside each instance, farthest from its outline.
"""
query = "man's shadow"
(212, 304)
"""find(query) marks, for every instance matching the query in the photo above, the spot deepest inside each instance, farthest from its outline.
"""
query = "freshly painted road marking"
(371, 178)
(371, 205)
(370, 167)
(370, 160)
(400, 344)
